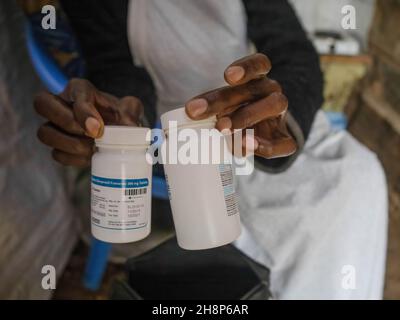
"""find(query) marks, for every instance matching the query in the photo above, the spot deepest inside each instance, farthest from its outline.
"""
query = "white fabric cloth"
(320, 220)
(320, 226)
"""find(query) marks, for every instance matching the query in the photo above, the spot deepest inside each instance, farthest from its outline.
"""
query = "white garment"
(186, 45)
(313, 225)
(322, 219)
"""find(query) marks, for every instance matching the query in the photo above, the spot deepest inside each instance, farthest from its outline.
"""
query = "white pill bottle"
(202, 196)
(121, 185)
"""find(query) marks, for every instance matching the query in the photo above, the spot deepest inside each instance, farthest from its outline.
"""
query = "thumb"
(89, 118)
(81, 94)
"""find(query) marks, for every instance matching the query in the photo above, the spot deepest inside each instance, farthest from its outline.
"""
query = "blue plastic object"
(55, 81)
(48, 71)
(96, 264)
(159, 188)
(338, 120)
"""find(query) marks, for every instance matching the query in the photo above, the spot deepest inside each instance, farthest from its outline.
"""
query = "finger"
(269, 139)
(227, 99)
(68, 159)
(273, 128)
(57, 111)
(89, 118)
(53, 137)
(130, 111)
(249, 144)
(276, 148)
(271, 106)
(242, 143)
(78, 89)
(247, 68)
(224, 123)
(82, 95)
(126, 111)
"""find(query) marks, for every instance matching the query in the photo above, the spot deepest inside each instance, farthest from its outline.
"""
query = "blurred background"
(41, 201)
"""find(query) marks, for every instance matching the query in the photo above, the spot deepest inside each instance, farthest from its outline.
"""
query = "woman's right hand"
(77, 116)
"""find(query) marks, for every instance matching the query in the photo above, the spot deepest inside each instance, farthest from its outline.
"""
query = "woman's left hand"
(250, 101)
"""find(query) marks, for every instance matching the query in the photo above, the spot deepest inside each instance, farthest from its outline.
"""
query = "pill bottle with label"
(121, 185)
(202, 195)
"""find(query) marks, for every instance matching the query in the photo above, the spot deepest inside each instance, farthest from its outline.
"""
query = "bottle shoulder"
(115, 163)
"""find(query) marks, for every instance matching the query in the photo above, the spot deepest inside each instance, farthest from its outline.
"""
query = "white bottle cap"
(181, 118)
(124, 136)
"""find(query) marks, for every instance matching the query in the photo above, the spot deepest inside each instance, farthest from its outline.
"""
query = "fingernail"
(196, 107)
(250, 143)
(224, 124)
(234, 73)
(92, 127)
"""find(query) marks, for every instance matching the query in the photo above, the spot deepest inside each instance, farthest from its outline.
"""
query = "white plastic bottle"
(121, 186)
(202, 196)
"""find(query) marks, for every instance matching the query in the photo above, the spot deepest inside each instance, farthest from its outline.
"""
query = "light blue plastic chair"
(338, 120)
(54, 79)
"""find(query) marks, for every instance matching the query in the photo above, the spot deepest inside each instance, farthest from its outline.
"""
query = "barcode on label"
(231, 204)
(135, 192)
(226, 178)
(226, 174)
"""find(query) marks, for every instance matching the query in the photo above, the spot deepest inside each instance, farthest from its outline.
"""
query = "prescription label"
(225, 171)
(120, 204)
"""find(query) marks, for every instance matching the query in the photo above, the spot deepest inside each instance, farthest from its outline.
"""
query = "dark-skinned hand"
(77, 116)
(250, 101)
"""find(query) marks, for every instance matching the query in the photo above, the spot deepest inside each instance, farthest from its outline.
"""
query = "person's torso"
(185, 45)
